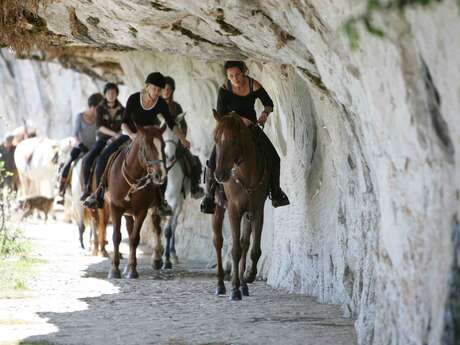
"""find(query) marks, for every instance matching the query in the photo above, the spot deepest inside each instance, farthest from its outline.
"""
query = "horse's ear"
(180, 117)
(216, 115)
(162, 120)
(162, 128)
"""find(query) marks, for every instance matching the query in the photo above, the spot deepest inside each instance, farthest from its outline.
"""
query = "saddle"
(111, 159)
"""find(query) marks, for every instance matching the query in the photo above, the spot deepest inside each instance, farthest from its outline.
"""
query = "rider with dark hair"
(85, 135)
(239, 94)
(108, 123)
(142, 109)
(189, 162)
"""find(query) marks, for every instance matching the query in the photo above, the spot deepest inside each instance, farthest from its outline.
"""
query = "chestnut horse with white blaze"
(134, 181)
(242, 170)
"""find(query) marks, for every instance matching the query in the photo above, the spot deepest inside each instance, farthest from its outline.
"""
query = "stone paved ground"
(70, 301)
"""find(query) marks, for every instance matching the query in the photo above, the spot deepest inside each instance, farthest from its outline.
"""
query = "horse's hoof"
(220, 290)
(132, 274)
(168, 265)
(245, 290)
(104, 254)
(114, 274)
(250, 278)
(157, 264)
(174, 259)
(235, 295)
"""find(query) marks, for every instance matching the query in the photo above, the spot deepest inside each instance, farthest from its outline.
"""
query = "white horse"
(178, 187)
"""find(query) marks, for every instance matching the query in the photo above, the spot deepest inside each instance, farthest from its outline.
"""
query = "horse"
(178, 187)
(243, 172)
(133, 186)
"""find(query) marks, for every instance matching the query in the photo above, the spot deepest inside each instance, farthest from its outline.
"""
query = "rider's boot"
(207, 204)
(278, 197)
(96, 199)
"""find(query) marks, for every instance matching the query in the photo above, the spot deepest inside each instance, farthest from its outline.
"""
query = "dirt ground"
(69, 300)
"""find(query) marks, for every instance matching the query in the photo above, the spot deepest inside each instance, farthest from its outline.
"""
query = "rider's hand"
(246, 121)
(186, 143)
(262, 118)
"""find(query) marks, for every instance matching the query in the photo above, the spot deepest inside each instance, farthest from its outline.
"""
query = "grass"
(15, 272)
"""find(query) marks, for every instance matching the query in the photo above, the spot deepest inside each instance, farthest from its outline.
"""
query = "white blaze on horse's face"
(160, 171)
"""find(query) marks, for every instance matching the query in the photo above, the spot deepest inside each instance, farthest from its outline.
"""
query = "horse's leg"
(245, 241)
(81, 230)
(256, 252)
(168, 237)
(175, 220)
(131, 272)
(102, 226)
(157, 262)
(235, 223)
(116, 220)
(95, 231)
(129, 229)
(218, 240)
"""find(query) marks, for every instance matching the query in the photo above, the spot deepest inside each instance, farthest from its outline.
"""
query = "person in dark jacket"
(239, 94)
(109, 115)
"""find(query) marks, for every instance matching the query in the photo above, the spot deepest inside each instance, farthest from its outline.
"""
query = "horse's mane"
(230, 124)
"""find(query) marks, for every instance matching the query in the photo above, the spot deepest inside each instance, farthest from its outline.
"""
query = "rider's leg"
(66, 168)
(277, 195)
(88, 164)
(164, 208)
(96, 199)
(207, 204)
(195, 176)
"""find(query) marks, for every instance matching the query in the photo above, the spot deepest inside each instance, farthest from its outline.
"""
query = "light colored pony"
(177, 189)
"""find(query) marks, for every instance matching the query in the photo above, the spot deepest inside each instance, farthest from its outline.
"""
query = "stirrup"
(85, 196)
(279, 198)
(164, 209)
(93, 202)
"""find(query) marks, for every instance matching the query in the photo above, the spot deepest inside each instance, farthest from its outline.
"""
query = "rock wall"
(369, 140)
(46, 96)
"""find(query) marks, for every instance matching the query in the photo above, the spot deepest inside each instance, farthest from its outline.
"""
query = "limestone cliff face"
(369, 140)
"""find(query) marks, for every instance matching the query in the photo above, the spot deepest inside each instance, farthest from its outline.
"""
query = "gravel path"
(70, 301)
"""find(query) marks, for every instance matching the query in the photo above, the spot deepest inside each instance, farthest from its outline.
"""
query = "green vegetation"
(378, 6)
(15, 264)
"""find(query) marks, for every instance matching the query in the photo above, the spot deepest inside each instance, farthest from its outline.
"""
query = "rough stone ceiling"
(87, 35)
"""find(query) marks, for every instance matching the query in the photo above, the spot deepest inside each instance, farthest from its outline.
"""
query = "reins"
(145, 180)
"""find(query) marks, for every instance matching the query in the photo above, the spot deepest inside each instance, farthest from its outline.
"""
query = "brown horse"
(134, 182)
(241, 168)
(99, 219)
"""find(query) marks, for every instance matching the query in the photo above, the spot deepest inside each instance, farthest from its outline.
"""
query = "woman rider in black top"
(142, 109)
(239, 94)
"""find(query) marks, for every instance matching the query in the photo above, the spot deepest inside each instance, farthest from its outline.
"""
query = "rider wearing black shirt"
(228, 101)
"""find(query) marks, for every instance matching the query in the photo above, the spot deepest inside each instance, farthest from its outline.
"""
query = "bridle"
(175, 160)
(248, 189)
(136, 185)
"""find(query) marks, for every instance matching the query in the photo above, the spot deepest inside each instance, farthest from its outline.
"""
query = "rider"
(187, 160)
(108, 123)
(142, 109)
(239, 94)
(85, 136)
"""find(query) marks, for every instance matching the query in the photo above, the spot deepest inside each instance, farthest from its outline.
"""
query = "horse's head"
(227, 137)
(151, 151)
(171, 141)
